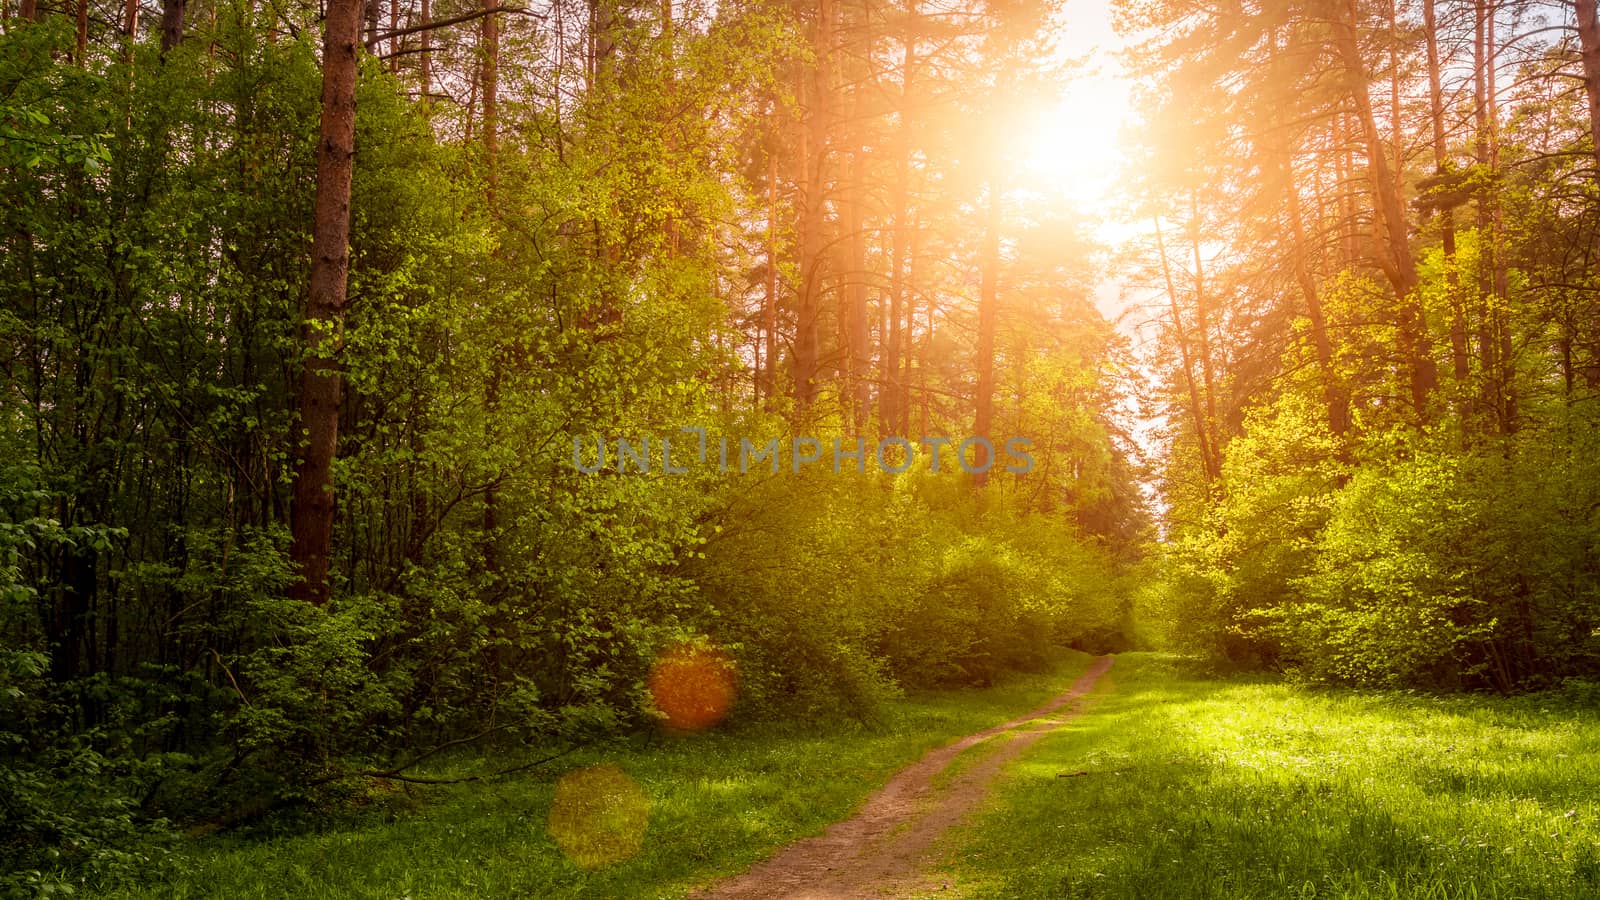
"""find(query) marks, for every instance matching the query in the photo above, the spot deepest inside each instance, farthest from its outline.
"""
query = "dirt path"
(882, 849)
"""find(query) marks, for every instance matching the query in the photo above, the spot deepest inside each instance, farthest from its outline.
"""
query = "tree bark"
(427, 51)
(1395, 250)
(81, 51)
(857, 337)
(988, 314)
(1202, 321)
(1202, 433)
(172, 12)
(1589, 52)
(1588, 14)
(1505, 375)
(808, 312)
(374, 17)
(1334, 398)
(321, 383)
(1447, 219)
(769, 307)
(489, 79)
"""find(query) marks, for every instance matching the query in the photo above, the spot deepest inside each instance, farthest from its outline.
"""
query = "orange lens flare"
(693, 687)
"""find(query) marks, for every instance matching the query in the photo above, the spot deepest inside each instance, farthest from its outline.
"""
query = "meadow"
(1182, 784)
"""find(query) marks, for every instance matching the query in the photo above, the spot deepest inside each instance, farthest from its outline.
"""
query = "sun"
(1069, 146)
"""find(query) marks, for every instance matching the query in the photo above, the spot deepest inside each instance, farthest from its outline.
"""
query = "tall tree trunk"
(1202, 322)
(489, 80)
(1395, 250)
(80, 55)
(1589, 52)
(28, 10)
(1505, 375)
(1447, 217)
(395, 39)
(1202, 432)
(893, 399)
(427, 52)
(1487, 345)
(374, 16)
(769, 306)
(172, 12)
(809, 310)
(1334, 398)
(857, 338)
(1344, 159)
(1588, 15)
(988, 315)
(321, 383)
(926, 347)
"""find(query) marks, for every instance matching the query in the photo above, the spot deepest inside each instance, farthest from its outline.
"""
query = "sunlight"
(1070, 148)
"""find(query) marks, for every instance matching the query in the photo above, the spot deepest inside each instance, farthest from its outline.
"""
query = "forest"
(407, 398)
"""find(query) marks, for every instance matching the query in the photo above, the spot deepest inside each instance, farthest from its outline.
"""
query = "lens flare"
(599, 816)
(693, 686)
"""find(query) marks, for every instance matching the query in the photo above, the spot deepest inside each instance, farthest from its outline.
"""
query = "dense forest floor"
(1182, 785)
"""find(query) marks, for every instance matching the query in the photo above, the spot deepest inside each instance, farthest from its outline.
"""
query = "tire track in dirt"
(881, 850)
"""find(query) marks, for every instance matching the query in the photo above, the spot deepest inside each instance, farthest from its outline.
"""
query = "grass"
(1206, 787)
(649, 820)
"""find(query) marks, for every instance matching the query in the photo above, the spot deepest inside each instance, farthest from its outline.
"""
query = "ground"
(1163, 782)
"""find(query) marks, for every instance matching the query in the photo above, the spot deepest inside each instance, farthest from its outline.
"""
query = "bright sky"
(1071, 147)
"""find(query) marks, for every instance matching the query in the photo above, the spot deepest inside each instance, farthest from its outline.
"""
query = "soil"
(885, 849)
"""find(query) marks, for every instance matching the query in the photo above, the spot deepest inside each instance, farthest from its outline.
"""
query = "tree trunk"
(374, 15)
(1447, 218)
(1589, 53)
(489, 80)
(427, 50)
(172, 12)
(769, 306)
(1395, 250)
(988, 314)
(320, 382)
(1202, 321)
(1505, 374)
(808, 313)
(81, 51)
(1334, 398)
(857, 338)
(1487, 345)
(1208, 463)
(894, 400)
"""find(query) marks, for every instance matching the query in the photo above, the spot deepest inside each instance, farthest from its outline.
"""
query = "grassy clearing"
(1199, 787)
(716, 803)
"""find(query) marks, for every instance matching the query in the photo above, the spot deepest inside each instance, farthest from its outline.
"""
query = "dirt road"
(883, 849)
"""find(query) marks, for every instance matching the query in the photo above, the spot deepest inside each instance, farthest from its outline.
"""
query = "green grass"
(717, 802)
(1205, 787)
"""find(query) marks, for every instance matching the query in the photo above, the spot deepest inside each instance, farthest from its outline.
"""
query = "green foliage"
(1430, 564)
